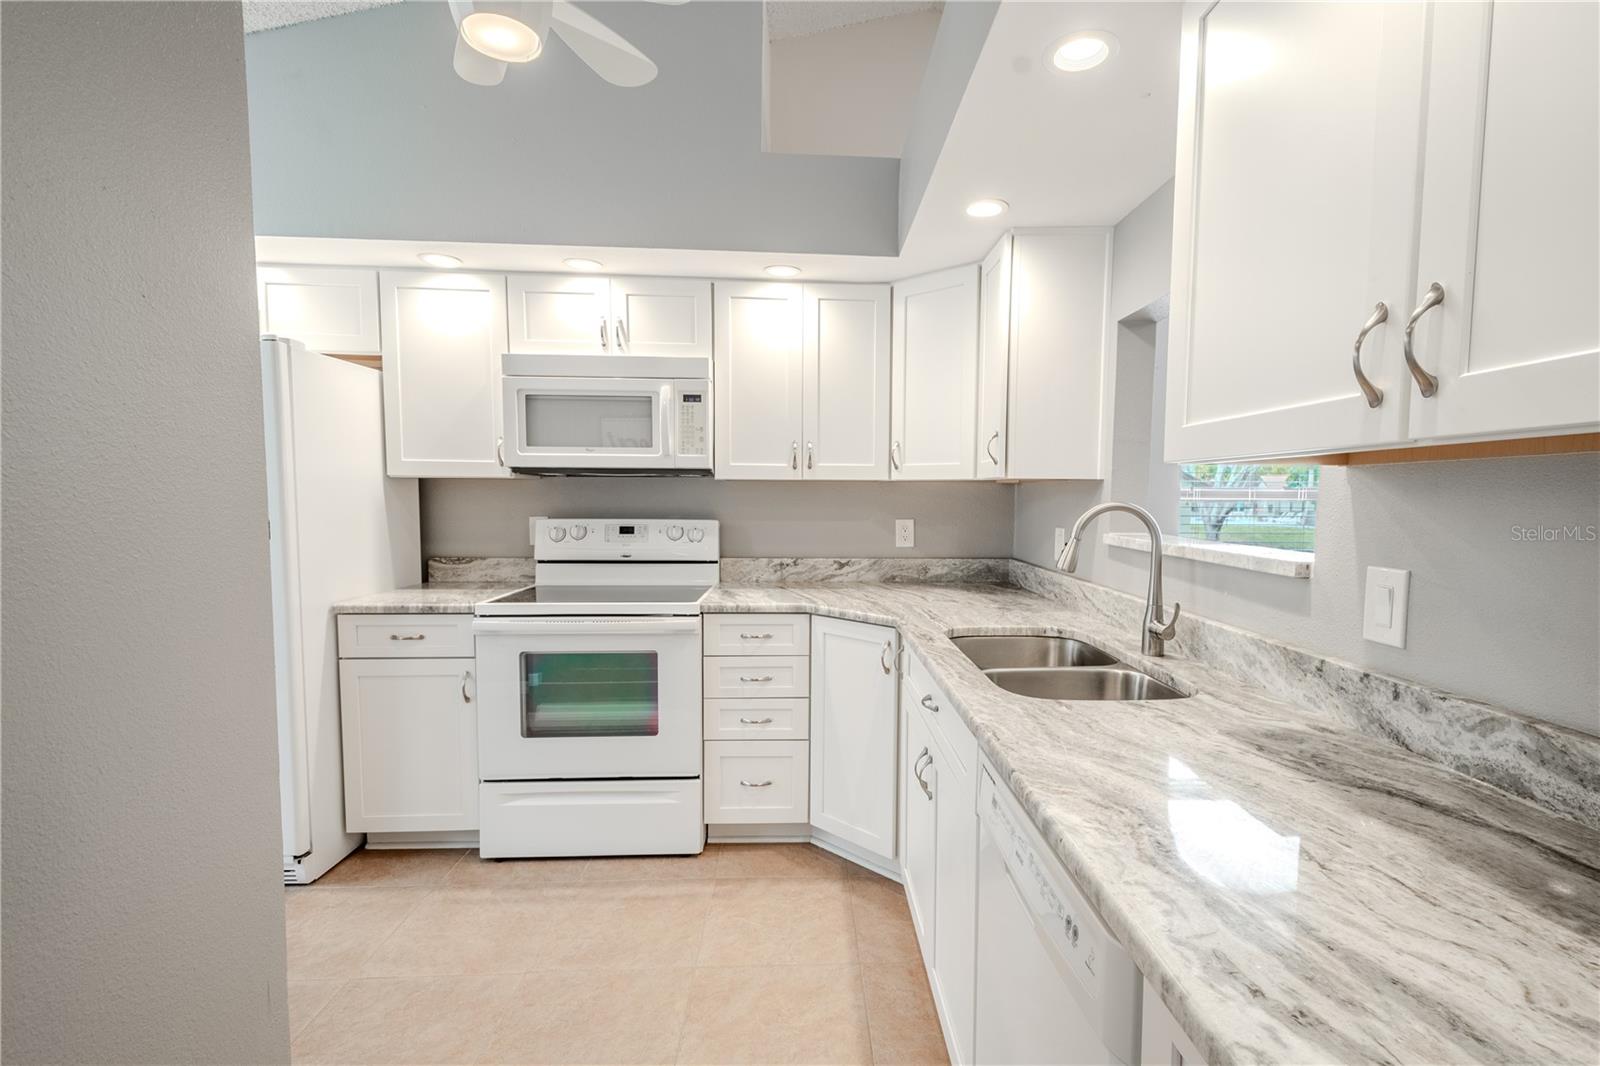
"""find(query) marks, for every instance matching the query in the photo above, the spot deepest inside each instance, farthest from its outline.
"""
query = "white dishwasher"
(1053, 986)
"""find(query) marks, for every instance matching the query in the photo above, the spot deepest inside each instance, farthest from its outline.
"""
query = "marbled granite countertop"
(435, 597)
(1299, 893)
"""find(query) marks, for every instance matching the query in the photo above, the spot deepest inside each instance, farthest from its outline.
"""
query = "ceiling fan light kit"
(493, 33)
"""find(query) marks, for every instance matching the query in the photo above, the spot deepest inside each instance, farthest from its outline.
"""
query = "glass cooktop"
(597, 599)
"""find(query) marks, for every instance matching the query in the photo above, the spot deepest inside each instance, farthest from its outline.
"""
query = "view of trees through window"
(1274, 505)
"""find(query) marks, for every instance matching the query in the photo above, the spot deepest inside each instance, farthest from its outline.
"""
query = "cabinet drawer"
(765, 634)
(405, 636)
(756, 781)
(927, 699)
(757, 719)
(740, 677)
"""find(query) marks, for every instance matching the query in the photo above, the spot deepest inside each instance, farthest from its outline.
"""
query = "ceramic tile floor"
(760, 953)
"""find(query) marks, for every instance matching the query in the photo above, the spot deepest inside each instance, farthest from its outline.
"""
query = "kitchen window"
(1266, 506)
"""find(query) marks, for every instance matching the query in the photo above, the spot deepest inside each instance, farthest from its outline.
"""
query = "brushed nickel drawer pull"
(927, 701)
(755, 784)
(753, 680)
(413, 636)
(755, 721)
(755, 636)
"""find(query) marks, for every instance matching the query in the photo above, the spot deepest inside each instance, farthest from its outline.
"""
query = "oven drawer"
(757, 719)
(767, 634)
(743, 676)
(405, 636)
(757, 781)
(566, 818)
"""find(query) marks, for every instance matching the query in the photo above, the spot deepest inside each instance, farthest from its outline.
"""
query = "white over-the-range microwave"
(607, 414)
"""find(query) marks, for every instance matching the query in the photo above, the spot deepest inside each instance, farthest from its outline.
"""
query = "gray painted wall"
(1492, 618)
(759, 518)
(963, 27)
(1141, 266)
(143, 904)
(552, 155)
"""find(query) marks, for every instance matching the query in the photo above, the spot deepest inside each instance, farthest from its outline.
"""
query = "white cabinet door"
(410, 733)
(845, 376)
(758, 380)
(1297, 169)
(1162, 1042)
(955, 911)
(853, 689)
(661, 316)
(994, 357)
(559, 314)
(935, 377)
(1060, 333)
(328, 309)
(1509, 222)
(921, 781)
(443, 337)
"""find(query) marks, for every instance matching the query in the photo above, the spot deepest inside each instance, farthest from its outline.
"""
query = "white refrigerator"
(339, 528)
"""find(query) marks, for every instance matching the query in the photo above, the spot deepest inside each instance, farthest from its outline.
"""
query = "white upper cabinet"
(443, 336)
(559, 314)
(328, 309)
(845, 379)
(935, 376)
(661, 316)
(994, 358)
(1058, 402)
(1510, 213)
(758, 380)
(1297, 167)
(853, 712)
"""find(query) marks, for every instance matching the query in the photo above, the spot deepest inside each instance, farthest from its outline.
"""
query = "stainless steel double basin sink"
(1059, 668)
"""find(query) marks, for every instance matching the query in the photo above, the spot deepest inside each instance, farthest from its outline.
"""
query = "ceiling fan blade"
(475, 67)
(612, 57)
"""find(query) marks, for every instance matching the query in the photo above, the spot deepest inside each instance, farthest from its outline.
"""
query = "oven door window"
(555, 420)
(591, 694)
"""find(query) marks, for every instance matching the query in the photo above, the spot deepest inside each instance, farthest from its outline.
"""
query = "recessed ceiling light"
(1084, 50)
(440, 260)
(501, 37)
(781, 270)
(986, 208)
(584, 264)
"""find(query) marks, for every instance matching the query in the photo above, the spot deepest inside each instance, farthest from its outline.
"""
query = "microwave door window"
(590, 694)
(560, 422)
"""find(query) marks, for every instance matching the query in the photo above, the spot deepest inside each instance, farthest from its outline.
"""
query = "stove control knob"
(696, 534)
(674, 532)
(579, 532)
(558, 533)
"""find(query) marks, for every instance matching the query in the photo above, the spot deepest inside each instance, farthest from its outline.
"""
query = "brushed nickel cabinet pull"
(1427, 384)
(1380, 315)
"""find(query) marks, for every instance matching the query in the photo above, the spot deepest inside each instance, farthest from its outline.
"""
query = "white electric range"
(589, 692)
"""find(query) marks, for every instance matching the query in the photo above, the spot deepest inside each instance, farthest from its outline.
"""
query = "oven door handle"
(582, 627)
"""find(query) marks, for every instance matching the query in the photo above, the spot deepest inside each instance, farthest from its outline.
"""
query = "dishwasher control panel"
(1059, 910)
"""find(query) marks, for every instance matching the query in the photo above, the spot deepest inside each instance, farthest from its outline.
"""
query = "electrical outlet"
(1059, 543)
(905, 533)
(1384, 612)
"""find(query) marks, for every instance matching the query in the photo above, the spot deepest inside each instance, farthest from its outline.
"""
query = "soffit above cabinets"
(271, 14)
(788, 19)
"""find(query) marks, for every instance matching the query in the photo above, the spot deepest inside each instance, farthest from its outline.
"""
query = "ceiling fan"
(491, 34)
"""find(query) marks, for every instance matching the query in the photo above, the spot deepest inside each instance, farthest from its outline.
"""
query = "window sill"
(1275, 561)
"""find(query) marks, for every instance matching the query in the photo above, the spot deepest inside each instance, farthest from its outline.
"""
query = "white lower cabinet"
(1161, 1041)
(853, 693)
(754, 782)
(940, 860)
(410, 732)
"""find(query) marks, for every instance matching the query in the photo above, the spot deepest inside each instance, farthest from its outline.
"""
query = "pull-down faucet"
(1154, 633)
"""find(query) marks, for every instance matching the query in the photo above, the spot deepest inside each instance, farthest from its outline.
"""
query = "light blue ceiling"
(360, 128)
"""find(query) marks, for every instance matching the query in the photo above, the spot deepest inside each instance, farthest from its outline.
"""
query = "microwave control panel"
(694, 418)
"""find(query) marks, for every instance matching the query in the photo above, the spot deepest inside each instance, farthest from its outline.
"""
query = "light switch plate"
(1384, 609)
(905, 533)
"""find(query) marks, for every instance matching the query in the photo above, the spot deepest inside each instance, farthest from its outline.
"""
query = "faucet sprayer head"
(1068, 559)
